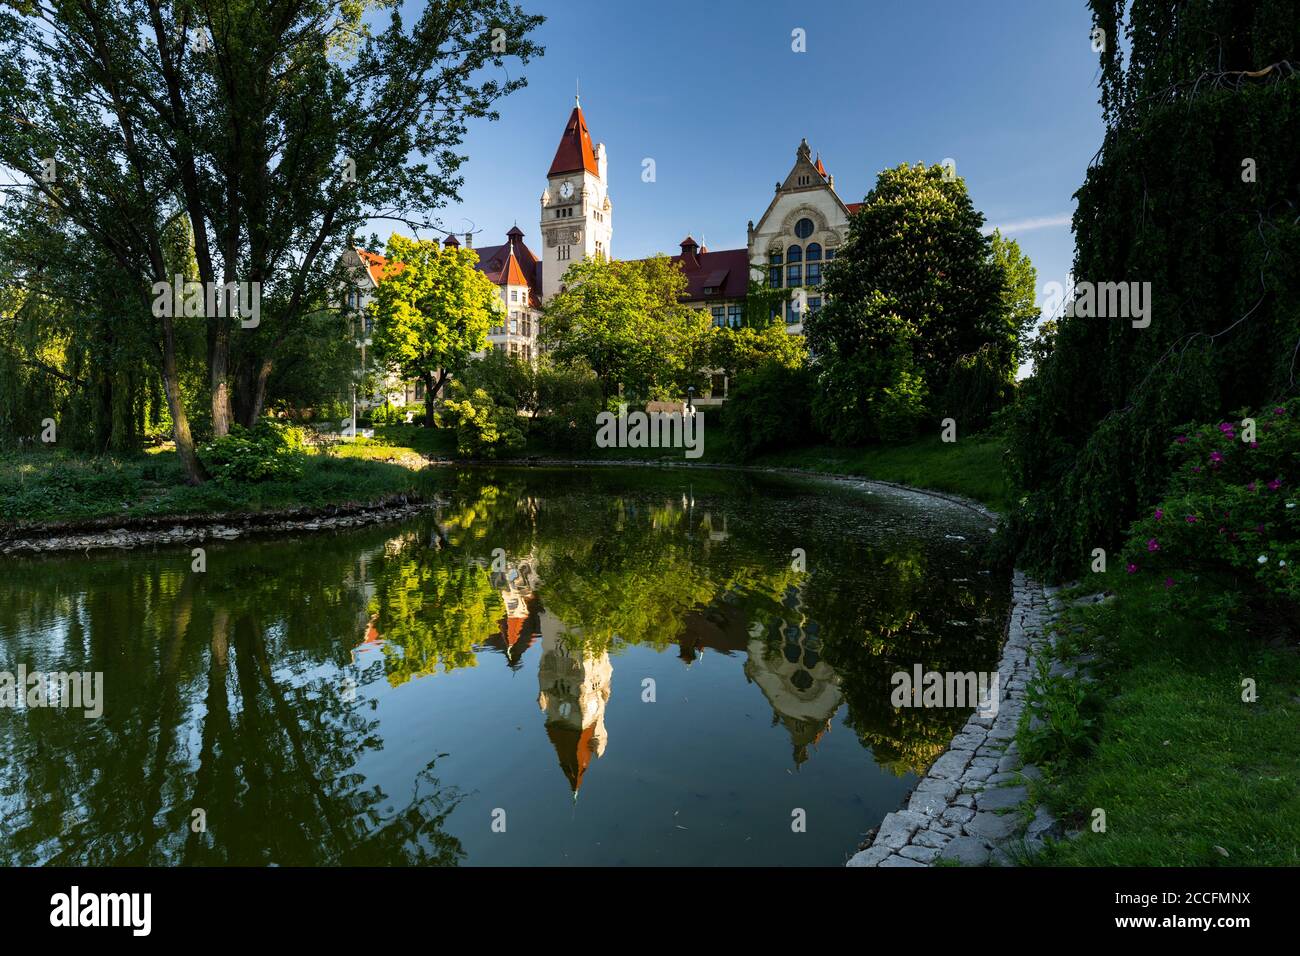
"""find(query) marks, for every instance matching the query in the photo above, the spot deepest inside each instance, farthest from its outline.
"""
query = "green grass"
(971, 467)
(55, 486)
(1182, 765)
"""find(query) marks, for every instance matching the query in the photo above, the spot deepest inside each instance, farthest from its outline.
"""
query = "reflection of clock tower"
(576, 212)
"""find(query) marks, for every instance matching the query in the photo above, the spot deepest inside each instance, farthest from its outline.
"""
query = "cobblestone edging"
(969, 808)
(188, 529)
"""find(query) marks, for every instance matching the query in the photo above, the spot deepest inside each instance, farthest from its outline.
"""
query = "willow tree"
(277, 130)
(1193, 191)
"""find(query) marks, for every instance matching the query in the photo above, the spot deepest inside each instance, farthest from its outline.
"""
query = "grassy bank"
(971, 467)
(1188, 774)
(53, 486)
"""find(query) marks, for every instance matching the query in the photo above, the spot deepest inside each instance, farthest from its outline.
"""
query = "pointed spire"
(575, 152)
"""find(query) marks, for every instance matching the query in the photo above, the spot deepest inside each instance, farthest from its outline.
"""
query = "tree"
(1193, 193)
(276, 130)
(1020, 309)
(738, 352)
(432, 312)
(627, 322)
(916, 271)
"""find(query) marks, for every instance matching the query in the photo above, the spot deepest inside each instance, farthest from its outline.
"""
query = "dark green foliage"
(920, 305)
(1166, 203)
(977, 389)
(268, 451)
(770, 410)
(873, 395)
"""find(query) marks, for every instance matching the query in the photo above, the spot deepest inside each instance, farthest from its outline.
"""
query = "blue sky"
(712, 91)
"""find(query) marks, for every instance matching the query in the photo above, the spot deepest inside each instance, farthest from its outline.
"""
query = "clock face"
(566, 190)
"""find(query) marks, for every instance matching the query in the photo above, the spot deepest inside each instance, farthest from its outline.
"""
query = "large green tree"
(1192, 191)
(915, 288)
(432, 312)
(628, 323)
(277, 130)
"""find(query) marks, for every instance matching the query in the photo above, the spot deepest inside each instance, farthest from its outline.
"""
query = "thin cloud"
(1029, 225)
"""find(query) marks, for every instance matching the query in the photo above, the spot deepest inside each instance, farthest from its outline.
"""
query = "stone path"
(969, 808)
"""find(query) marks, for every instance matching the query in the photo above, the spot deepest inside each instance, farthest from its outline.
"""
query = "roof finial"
(576, 100)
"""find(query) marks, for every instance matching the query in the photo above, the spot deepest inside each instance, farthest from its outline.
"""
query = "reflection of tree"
(223, 689)
(903, 608)
(431, 608)
(213, 701)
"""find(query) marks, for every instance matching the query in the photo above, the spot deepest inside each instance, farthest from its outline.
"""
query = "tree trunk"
(219, 373)
(431, 388)
(194, 471)
(254, 397)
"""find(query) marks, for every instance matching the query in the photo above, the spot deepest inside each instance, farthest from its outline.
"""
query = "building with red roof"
(788, 248)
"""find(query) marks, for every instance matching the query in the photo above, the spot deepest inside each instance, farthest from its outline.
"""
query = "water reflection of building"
(519, 625)
(785, 662)
(574, 689)
(720, 628)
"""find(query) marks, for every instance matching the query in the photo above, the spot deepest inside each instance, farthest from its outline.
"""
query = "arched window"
(804, 228)
(814, 252)
(794, 254)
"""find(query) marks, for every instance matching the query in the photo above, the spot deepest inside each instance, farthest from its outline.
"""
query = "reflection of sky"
(749, 721)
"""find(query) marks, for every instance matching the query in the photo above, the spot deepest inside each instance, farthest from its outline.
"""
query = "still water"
(605, 666)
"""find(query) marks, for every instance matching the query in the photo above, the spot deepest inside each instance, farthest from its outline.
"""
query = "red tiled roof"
(726, 272)
(853, 207)
(378, 266)
(575, 152)
(512, 263)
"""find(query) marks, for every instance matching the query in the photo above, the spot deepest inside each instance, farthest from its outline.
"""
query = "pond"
(557, 667)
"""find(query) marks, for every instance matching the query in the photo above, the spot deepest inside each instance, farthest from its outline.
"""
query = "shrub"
(484, 429)
(387, 414)
(1230, 506)
(770, 408)
(269, 451)
(978, 388)
(872, 396)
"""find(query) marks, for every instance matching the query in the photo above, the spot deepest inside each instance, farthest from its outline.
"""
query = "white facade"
(800, 231)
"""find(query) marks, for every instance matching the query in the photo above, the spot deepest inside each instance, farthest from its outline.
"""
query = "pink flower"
(1181, 439)
(1153, 545)
(1132, 568)
(1251, 487)
(1279, 410)
(1191, 519)
(1275, 484)
(1216, 457)
(1159, 514)
(1169, 582)
(1254, 444)
(1196, 468)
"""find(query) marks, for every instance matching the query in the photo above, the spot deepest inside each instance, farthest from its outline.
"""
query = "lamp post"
(690, 398)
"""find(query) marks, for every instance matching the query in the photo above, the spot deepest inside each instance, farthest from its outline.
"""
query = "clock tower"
(576, 211)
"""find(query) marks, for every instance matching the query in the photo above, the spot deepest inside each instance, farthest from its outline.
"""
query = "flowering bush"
(1231, 504)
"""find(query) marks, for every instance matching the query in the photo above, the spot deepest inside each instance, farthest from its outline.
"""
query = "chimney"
(469, 240)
